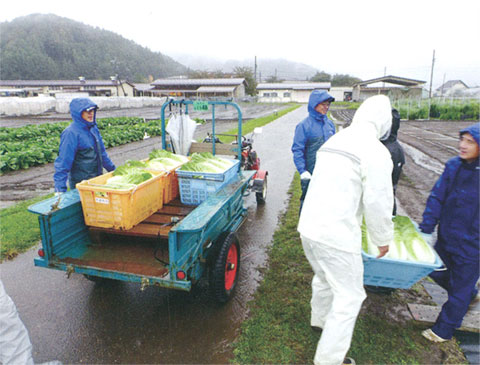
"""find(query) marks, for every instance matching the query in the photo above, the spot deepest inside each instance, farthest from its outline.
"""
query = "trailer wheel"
(226, 268)
(262, 195)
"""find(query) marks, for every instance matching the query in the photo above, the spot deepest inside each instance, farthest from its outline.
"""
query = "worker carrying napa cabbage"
(82, 154)
(351, 182)
(453, 206)
(310, 134)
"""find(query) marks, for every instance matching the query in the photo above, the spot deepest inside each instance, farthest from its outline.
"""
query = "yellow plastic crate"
(171, 187)
(120, 209)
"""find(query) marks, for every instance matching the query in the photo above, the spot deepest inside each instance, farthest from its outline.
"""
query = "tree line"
(49, 47)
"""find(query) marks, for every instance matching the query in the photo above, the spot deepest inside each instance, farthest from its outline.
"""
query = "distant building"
(451, 88)
(342, 93)
(112, 87)
(233, 88)
(142, 90)
(394, 87)
(288, 91)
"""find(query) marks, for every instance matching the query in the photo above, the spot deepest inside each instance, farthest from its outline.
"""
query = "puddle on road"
(422, 159)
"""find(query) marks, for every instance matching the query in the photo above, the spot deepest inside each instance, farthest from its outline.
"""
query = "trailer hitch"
(70, 270)
(144, 283)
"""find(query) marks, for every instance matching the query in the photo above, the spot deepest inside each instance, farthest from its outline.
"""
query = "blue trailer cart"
(173, 248)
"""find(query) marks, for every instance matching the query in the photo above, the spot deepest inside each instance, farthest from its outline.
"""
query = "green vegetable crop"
(206, 162)
(408, 243)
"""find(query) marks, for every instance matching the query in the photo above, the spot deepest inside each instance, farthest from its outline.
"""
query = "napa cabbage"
(206, 162)
(129, 175)
(156, 153)
(408, 244)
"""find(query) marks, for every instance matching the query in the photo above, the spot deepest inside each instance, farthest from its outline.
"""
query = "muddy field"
(36, 181)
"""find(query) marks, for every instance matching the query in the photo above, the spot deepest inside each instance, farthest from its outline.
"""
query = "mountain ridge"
(47, 46)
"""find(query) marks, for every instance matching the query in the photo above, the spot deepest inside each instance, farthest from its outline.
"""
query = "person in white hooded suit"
(351, 182)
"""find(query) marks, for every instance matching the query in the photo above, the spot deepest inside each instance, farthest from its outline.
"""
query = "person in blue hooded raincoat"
(310, 134)
(81, 154)
(453, 205)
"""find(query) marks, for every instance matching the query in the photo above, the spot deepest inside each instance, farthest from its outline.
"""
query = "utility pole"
(384, 74)
(430, 92)
(431, 75)
(255, 68)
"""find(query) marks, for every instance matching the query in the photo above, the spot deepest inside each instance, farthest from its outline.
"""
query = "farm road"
(76, 321)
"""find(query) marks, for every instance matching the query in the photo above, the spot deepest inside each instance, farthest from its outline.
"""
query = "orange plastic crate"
(120, 209)
(171, 187)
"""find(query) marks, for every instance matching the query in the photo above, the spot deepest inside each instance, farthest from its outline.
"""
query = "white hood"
(376, 111)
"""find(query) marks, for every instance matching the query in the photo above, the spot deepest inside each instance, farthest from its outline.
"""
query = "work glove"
(305, 175)
(427, 237)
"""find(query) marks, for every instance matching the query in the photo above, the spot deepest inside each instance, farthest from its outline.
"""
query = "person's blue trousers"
(459, 281)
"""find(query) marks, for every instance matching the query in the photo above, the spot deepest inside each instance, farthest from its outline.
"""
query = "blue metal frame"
(212, 103)
(65, 235)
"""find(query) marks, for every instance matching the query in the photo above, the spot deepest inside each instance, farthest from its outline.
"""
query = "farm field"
(38, 180)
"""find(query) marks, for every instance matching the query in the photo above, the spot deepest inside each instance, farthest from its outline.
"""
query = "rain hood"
(474, 130)
(375, 113)
(78, 106)
(317, 97)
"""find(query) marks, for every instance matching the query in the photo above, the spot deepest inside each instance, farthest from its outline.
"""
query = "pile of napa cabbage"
(206, 162)
(408, 245)
(134, 172)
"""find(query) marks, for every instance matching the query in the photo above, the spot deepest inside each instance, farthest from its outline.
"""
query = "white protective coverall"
(351, 181)
(15, 345)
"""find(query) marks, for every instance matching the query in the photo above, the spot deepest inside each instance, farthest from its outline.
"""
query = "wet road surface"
(77, 321)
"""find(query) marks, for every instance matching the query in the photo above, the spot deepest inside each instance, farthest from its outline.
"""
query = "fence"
(438, 108)
(15, 106)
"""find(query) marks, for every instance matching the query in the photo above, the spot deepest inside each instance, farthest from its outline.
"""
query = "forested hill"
(49, 47)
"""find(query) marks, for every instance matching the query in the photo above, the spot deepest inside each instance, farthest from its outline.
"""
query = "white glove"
(58, 193)
(305, 175)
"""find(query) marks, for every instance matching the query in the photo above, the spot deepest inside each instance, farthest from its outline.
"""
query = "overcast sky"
(362, 38)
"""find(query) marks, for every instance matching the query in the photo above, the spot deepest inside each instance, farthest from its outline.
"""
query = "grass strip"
(19, 229)
(278, 329)
(249, 126)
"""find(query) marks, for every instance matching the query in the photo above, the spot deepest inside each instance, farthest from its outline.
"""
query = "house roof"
(217, 89)
(198, 82)
(451, 83)
(294, 86)
(143, 87)
(392, 80)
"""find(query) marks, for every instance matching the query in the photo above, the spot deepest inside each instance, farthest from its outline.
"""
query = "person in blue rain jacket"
(81, 154)
(310, 134)
(453, 204)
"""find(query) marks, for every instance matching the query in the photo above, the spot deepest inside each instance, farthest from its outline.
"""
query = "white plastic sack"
(181, 129)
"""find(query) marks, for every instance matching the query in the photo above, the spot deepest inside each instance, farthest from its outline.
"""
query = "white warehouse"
(289, 92)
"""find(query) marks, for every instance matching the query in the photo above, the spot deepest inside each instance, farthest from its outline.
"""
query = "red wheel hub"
(231, 267)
